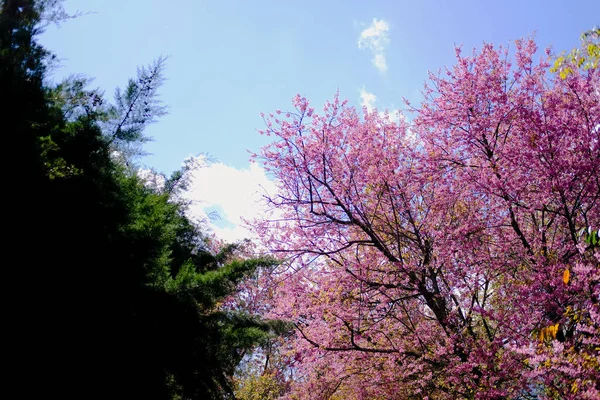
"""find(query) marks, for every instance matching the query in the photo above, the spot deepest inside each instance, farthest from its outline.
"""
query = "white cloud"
(379, 62)
(151, 178)
(236, 193)
(367, 99)
(376, 38)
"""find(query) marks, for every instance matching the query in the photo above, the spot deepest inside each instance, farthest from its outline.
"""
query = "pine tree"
(115, 293)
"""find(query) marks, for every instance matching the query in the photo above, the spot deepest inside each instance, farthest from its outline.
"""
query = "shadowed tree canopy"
(116, 292)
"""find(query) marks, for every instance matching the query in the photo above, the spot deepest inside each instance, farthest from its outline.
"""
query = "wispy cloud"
(367, 99)
(376, 38)
(380, 62)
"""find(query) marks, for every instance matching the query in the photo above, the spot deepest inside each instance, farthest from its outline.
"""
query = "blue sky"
(230, 60)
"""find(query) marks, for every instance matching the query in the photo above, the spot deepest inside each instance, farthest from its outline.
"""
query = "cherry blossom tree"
(450, 257)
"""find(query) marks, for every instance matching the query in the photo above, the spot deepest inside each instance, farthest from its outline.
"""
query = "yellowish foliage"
(584, 58)
(548, 332)
(263, 387)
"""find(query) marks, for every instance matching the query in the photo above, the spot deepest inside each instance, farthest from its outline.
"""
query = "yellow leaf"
(553, 331)
(566, 276)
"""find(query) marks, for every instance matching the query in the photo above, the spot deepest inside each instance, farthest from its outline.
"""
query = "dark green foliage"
(114, 292)
(193, 344)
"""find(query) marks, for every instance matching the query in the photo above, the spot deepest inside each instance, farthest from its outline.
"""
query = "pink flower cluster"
(443, 258)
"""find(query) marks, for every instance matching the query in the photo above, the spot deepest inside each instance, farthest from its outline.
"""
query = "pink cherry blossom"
(427, 259)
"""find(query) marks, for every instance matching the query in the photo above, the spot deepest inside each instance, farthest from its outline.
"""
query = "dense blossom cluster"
(454, 256)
